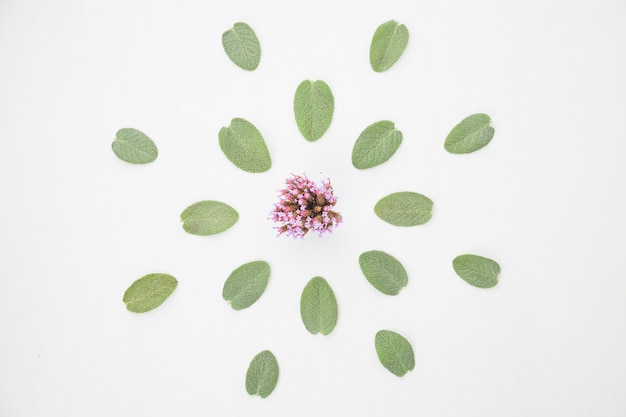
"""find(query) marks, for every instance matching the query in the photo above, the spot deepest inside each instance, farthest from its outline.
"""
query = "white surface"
(545, 199)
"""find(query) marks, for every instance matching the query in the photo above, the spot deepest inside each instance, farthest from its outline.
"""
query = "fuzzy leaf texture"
(208, 218)
(388, 44)
(376, 144)
(383, 271)
(242, 46)
(262, 374)
(476, 270)
(318, 307)
(404, 208)
(149, 292)
(394, 352)
(245, 285)
(243, 145)
(313, 106)
(133, 146)
(471, 134)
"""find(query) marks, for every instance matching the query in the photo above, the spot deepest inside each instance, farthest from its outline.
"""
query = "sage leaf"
(476, 270)
(388, 44)
(149, 292)
(262, 374)
(245, 285)
(473, 133)
(404, 208)
(383, 271)
(133, 146)
(244, 146)
(376, 144)
(313, 106)
(242, 46)
(318, 307)
(208, 217)
(394, 352)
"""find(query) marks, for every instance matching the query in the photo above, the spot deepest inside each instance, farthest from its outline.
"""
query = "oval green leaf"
(262, 374)
(394, 352)
(245, 285)
(473, 133)
(476, 270)
(405, 208)
(376, 144)
(318, 307)
(383, 271)
(388, 44)
(208, 217)
(133, 146)
(242, 46)
(149, 292)
(313, 106)
(244, 146)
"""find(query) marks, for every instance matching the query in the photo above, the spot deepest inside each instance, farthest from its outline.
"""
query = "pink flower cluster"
(304, 206)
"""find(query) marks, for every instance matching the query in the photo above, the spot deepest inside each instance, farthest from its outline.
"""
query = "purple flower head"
(304, 206)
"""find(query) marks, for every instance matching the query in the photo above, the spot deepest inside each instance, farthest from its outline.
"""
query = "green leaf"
(313, 106)
(133, 146)
(208, 217)
(405, 208)
(376, 144)
(262, 374)
(318, 307)
(476, 270)
(383, 271)
(149, 292)
(474, 132)
(244, 146)
(388, 44)
(394, 352)
(242, 46)
(246, 284)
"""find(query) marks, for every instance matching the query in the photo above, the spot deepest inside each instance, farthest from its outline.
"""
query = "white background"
(545, 199)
